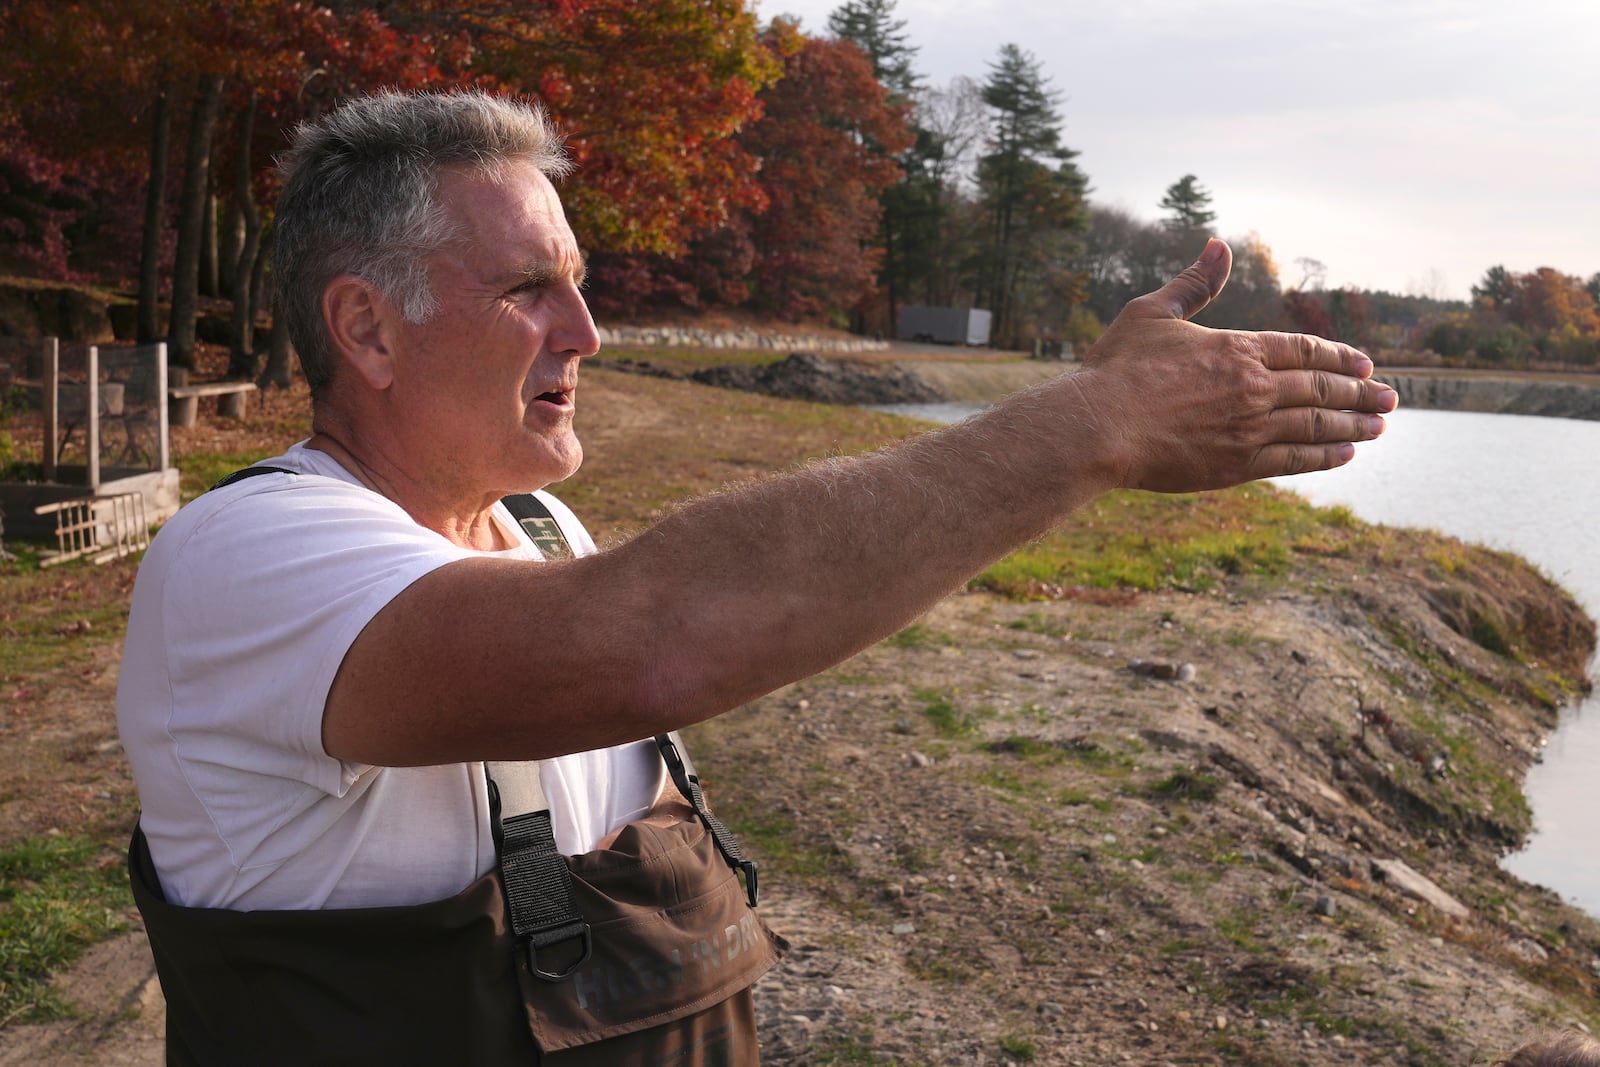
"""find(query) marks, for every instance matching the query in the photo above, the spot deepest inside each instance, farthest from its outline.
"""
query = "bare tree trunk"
(191, 220)
(230, 242)
(276, 372)
(207, 281)
(241, 329)
(149, 328)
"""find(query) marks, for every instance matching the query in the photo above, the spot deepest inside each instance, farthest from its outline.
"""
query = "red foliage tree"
(827, 143)
(1306, 313)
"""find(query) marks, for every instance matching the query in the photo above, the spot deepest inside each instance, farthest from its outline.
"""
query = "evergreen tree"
(1496, 289)
(1188, 206)
(870, 25)
(1032, 191)
(910, 206)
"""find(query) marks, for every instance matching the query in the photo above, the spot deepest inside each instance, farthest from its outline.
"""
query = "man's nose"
(574, 332)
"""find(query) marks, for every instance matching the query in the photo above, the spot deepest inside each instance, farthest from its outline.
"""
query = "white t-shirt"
(244, 608)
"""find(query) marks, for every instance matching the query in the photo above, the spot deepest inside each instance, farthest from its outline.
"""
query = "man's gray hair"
(359, 198)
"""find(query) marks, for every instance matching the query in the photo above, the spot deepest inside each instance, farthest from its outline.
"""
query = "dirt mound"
(804, 376)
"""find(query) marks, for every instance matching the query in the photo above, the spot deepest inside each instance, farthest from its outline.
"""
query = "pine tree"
(1496, 289)
(870, 25)
(1032, 191)
(1188, 204)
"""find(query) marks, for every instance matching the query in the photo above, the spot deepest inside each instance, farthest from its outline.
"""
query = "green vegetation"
(58, 895)
(918, 636)
(61, 617)
(1185, 785)
(10, 401)
(850, 1052)
(1150, 541)
(947, 718)
(1019, 1048)
(201, 470)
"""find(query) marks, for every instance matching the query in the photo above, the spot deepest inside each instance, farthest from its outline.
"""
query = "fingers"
(1311, 439)
(1320, 426)
(1339, 391)
(1301, 351)
(1276, 461)
(1197, 286)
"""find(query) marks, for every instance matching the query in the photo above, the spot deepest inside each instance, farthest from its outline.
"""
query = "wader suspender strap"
(688, 783)
(538, 883)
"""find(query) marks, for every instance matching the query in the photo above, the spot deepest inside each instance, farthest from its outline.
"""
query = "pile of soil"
(804, 376)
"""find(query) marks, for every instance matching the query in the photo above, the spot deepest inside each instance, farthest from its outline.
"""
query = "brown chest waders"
(642, 953)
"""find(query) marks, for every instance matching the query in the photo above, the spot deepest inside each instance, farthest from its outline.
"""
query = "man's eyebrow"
(545, 273)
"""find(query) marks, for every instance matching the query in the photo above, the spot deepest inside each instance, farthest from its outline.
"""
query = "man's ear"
(358, 319)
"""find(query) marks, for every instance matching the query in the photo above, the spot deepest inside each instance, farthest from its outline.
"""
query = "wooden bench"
(185, 407)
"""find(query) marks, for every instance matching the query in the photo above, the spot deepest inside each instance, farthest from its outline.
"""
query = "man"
(321, 657)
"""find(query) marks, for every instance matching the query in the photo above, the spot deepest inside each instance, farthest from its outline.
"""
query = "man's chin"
(550, 469)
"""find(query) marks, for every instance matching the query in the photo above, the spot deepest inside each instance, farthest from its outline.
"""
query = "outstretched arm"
(745, 591)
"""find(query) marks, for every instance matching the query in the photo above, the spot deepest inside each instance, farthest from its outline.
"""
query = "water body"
(1526, 484)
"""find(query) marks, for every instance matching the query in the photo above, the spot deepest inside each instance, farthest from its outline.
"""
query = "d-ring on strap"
(538, 884)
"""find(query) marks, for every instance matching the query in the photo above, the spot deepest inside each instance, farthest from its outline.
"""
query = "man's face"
(495, 370)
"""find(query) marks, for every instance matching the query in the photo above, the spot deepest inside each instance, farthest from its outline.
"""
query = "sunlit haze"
(1407, 145)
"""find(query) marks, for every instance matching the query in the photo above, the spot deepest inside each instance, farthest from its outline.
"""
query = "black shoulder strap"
(537, 522)
(251, 472)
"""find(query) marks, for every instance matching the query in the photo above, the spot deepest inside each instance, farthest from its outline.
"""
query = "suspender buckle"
(539, 940)
(752, 888)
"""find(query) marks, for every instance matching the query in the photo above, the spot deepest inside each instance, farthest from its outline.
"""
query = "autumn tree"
(99, 82)
(1547, 300)
(1306, 313)
(1253, 297)
(827, 142)
(74, 105)
(1032, 193)
(1544, 316)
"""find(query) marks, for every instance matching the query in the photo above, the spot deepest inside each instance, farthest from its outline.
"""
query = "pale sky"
(1408, 145)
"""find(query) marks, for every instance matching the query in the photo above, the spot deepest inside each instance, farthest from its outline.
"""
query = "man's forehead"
(515, 186)
(515, 211)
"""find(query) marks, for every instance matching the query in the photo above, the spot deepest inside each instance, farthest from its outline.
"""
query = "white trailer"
(951, 326)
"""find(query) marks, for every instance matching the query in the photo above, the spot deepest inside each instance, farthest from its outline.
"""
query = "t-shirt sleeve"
(262, 597)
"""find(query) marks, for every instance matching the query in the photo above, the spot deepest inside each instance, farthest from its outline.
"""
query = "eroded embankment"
(1508, 395)
(1023, 826)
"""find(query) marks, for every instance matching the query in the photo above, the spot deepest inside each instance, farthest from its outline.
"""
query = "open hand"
(1187, 408)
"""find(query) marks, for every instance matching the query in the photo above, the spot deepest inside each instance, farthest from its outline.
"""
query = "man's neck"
(465, 520)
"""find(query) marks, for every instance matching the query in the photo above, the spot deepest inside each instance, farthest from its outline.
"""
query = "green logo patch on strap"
(547, 536)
